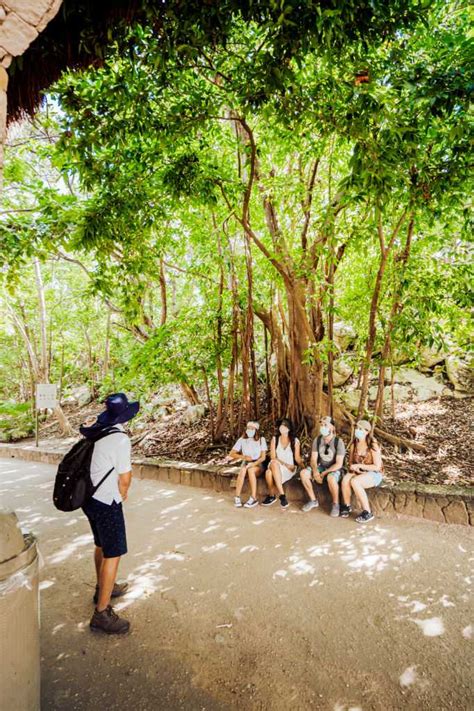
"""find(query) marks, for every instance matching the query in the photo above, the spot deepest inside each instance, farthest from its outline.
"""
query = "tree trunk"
(384, 254)
(43, 364)
(189, 393)
(105, 364)
(164, 307)
(397, 307)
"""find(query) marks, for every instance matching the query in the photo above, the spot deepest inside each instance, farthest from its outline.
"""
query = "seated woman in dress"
(365, 471)
(251, 450)
(285, 451)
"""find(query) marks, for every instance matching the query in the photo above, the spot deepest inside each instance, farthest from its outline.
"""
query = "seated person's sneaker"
(345, 511)
(365, 516)
(335, 510)
(109, 622)
(284, 502)
(269, 500)
(250, 503)
(237, 502)
(309, 505)
(119, 590)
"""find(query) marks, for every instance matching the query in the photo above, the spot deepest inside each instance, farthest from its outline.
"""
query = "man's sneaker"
(335, 510)
(284, 502)
(118, 590)
(237, 502)
(109, 622)
(365, 516)
(269, 500)
(251, 503)
(345, 511)
(310, 505)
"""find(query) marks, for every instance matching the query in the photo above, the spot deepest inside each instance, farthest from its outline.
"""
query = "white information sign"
(46, 396)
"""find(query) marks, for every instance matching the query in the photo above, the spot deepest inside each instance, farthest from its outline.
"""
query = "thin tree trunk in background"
(392, 386)
(90, 364)
(35, 365)
(61, 374)
(372, 331)
(397, 306)
(209, 405)
(164, 303)
(331, 339)
(268, 385)
(44, 371)
(250, 336)
(221, 414)
(105, 365)
(189, 393)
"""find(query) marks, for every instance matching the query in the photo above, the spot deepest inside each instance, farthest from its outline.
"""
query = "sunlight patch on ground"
(214, 548)
(432, 627)
(467, 632)
(408, 677)
(71, 548)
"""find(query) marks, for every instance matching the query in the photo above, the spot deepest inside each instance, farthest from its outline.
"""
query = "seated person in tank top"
(285, 452)
(251, 451)
(327, 460)
(365, 471)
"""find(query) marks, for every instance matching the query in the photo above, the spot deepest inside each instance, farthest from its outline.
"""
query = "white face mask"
(284, 430)
(324, 430)
(250, 433)
(360, 434)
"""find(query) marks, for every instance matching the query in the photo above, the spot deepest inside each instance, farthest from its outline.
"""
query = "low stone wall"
(444, 504)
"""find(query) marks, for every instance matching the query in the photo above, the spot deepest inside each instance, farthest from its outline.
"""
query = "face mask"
(324, 431)
(360, 434)
(250, 433)
(284, 430)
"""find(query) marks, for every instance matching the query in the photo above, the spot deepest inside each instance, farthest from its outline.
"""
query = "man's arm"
(124, 482)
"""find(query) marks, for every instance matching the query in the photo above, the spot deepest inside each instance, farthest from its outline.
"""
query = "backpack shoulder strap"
(106, 433)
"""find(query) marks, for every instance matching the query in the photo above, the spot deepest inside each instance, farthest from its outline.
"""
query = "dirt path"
(258, 609)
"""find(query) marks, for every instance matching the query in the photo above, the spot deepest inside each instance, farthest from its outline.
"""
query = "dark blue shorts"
(108, 526)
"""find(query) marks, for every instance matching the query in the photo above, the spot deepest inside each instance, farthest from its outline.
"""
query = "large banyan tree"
(289, 144)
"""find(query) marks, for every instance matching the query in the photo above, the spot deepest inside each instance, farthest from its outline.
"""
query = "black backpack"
(73, 485)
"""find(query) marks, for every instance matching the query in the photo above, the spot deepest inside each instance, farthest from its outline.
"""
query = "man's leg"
(333, 484)
(108, 574)
(98, 558)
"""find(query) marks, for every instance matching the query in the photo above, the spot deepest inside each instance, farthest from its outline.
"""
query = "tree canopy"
(230, 191)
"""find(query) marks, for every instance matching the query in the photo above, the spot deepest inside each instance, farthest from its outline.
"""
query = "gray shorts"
(337, 475)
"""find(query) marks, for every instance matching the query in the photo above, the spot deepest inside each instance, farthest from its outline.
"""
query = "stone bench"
(444, 504)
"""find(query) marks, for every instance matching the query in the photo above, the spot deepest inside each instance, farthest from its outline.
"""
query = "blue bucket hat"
(118, 409)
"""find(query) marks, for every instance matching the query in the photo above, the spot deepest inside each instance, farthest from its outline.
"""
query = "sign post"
(46, 398)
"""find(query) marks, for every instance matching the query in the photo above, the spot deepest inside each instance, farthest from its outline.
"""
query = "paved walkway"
(259, 609)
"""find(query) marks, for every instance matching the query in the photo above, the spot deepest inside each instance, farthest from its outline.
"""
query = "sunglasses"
(326, 451)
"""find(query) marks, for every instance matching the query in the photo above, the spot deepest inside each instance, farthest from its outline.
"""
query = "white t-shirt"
(112, 451)
(250, 447)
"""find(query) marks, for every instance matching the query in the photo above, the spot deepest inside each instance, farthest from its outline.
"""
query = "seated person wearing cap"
(365, 471)
(251, 451)
(327, 459)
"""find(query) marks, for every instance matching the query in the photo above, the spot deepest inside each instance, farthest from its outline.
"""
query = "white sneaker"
(237, 502)
(251, 503)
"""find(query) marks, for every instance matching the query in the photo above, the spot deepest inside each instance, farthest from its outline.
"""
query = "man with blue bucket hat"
(111, 467)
